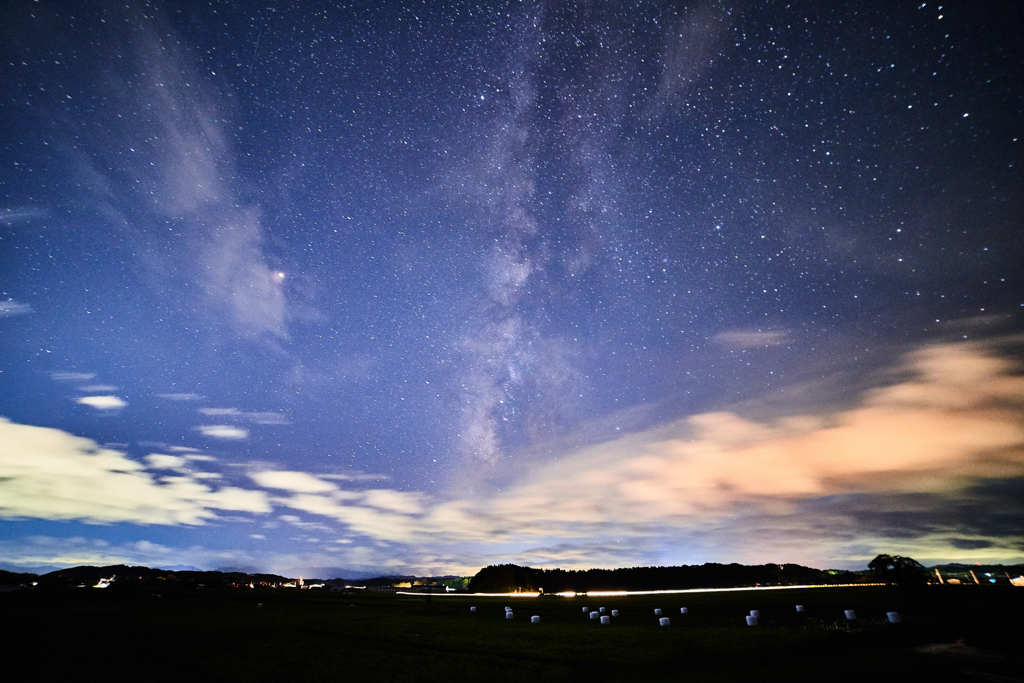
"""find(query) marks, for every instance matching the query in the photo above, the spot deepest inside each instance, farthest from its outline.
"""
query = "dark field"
(312, 636)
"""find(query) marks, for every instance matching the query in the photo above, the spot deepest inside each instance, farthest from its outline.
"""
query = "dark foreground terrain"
(949, 633)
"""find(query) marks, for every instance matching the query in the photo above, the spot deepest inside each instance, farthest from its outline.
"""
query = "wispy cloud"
(60, 376)
(184, 173)
(105, 388)
(690, 43)
(254, 417)
(11, 308)
(103, 402)
(180, 397)
(752, 339)
(228, 432)
(354, 476)
(22, 214)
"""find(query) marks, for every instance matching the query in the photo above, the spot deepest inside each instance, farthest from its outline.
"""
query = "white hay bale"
(657, 611)
(800, 608)
(594, 615)
(601, 610)
(664, 621)
(585, 609)
(755, 613)
(850, 614)
(535, 619)
(472, 609)
(615, 612)
(606, 620)
(684, 610)
(509, 614)
(893, 617)
(752, 619)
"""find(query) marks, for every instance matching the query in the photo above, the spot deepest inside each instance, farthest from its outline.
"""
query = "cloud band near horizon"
(931, 463)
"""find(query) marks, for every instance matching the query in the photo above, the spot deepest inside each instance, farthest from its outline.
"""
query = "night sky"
(390, 287)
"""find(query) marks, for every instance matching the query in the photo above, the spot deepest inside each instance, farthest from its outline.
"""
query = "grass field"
(312, 636)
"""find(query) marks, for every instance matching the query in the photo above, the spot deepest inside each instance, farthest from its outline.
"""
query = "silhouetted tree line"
(132, 579)
(898, 569)
(509, 577)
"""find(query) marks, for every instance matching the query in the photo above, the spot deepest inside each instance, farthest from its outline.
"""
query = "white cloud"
(72, 376)
(223, 432)
(98, 388)
(50, 474)
(297, 521)
(105, 402)
(378, 524)
(299, 482)
(397, 501)
(160, 461)
(11, 308)
(180, 397)
(752, 339)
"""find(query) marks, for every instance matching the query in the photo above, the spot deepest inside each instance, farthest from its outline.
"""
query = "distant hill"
(492, 579)
(16, 578)
(126, 578)
(131, 578)
(510, 577)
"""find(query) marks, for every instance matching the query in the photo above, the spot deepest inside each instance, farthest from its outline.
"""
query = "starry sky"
(341, 289)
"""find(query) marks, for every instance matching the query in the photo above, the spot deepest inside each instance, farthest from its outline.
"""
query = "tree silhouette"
(905, 571)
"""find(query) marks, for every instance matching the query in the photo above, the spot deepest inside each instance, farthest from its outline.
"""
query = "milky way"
(421, 288)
